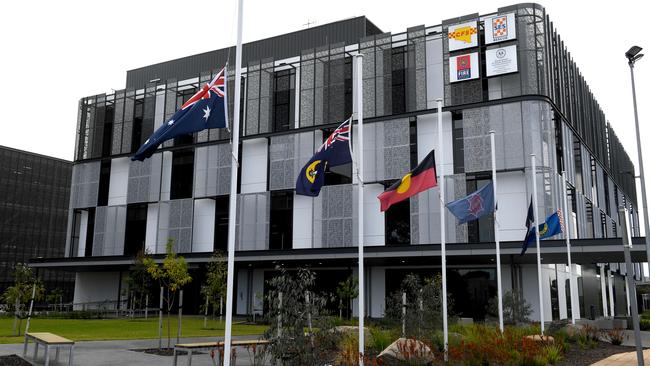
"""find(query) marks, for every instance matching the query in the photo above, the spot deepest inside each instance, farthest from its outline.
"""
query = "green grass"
(113, 329)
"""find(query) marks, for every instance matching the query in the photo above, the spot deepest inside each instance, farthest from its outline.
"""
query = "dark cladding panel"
(347, 31)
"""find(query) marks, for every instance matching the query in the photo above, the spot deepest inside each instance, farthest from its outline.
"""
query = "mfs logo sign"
(463, 67)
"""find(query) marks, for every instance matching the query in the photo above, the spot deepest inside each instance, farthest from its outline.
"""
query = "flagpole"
(359, 58)
(443, 254)
(232, 214)
(539, 257)
(567, 234)
(496, 230)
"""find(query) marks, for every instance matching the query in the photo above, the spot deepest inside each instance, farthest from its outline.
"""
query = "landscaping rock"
(539, 338)
(406, 349)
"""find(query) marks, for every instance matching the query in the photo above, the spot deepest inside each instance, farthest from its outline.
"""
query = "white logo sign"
(500, 61)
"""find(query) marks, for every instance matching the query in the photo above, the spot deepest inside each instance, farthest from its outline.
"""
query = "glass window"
(138, 117)
(182, 174)
(136, 229)
(398, 223)
(90, 233)
(398, 79)
(481, 230)
(284, 99)
(341, 174)
(281, 220)
(104, 183)
(221, 207)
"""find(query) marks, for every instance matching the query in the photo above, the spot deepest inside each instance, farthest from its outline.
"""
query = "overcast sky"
(52, 53)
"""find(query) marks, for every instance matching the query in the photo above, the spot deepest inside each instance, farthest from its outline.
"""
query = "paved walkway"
(110, 353)
(623, 359)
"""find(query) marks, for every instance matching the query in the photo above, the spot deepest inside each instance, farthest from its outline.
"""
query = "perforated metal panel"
(175, 222)
(85, 185)
(253, 221)
(333, 217)
(110, 223)
(212, 170)
(144, 180)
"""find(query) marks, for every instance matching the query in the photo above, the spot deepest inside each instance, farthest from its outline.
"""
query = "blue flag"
(473, 206)
(334, 151)
(551, 227)
(205, 109)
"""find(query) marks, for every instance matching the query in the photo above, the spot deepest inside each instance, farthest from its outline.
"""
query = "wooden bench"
(203, 346)
(48, 340)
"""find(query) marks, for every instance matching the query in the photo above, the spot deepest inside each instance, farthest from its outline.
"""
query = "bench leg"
(35, 350)
(189, 357)
(71, 354)
(56, 358)
(47, 355)
(175, 357)
(25, 348)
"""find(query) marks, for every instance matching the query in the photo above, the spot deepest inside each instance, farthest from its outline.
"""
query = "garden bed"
(13, 360)
(578, 356)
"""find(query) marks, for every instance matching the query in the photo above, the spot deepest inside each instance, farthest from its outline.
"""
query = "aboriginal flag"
(417, 180)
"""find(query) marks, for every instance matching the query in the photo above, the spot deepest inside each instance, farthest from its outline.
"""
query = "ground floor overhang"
(583, 251)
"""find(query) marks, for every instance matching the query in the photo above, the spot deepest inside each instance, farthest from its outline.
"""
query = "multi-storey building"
(508, 72)
(34, 195)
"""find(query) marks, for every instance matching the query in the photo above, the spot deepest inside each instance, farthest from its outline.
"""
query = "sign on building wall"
(463, 67)
(500, 28)
(502, 60)
(463, 36)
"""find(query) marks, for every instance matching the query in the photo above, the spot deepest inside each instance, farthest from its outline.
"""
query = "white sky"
(52, 53)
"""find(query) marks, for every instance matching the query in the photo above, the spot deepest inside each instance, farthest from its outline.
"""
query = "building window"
(398, 79)
(348, 89)
(138, 117)
(589, 234)
(458, 144)
(559, 146)
(577, 154)
(76, 231)
(481, 230)
(281, 220)
(90, 233)
(104, 183)
(135, 230)
(221, 208)
(284, 99)
(182, 174)
(108, 130)
(398, 223)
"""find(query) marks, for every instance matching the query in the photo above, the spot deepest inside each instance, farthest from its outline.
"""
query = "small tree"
(17, 297)
(55, 299)
(139, 279)
(172, 275)
(216, 276)
(515, 308)
(347, 291)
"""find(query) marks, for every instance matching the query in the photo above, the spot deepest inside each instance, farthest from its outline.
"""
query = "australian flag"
(473, 206)
(334, 151)
(205, 109)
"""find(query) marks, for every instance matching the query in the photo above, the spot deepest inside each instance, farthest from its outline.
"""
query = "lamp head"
(633, 54)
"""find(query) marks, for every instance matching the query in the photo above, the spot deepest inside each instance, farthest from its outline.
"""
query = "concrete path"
(623, 359)
(110, 353)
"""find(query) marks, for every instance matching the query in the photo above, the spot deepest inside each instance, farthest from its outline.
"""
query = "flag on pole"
(205, 109)
(473, 206)
(333, 152)
(553, 225)
(417, 180)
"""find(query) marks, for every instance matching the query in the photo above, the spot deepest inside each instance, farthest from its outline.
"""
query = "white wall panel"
(435, 77)
(166, 176)
(254, 165)
(152, 228)
(373, 219)
(513, 205)
(303, 221)
(377, 292)
(119, 181)
(203, 228)
(95, 286)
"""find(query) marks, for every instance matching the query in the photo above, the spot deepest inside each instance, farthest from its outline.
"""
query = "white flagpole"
(362, 309)
(443, 254)
(496, 231)
(539, 256)
(567, 239)
(232, 214)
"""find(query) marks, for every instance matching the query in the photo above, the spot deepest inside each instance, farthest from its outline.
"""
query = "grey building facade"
(299, 86)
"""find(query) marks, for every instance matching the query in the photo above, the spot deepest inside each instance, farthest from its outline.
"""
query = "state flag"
(473, 206)
(333, 152)
(417, 180)
(205, 109)
(552, 226)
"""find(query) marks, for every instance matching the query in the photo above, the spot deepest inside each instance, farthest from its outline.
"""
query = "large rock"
(406, 349)
(540, 338)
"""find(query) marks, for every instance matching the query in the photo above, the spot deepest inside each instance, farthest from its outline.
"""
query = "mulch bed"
(13, 360)
(576, 356)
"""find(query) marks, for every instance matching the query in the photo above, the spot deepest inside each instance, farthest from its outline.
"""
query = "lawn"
(109, 329)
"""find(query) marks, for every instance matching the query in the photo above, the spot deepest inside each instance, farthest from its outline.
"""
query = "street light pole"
(632, 56)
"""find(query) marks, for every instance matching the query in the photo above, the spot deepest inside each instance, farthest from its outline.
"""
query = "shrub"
(379, 339)
(554, 353)
(644, 323)
(615, 336)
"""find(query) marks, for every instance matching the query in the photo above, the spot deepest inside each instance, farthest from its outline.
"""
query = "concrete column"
(610, 279)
